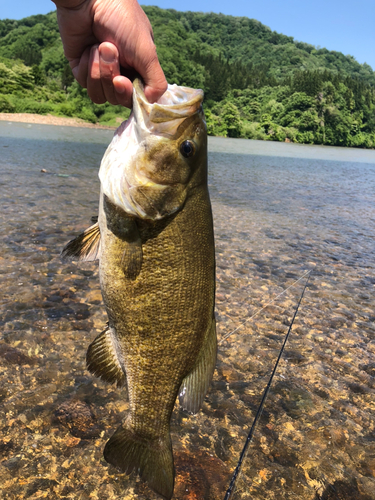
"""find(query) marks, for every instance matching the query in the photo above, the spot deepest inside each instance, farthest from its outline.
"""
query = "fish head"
(158, 154)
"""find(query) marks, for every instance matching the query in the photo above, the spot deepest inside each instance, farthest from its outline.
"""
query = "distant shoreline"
(49, 120)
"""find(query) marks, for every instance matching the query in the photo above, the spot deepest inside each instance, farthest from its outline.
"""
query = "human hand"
(128, 42)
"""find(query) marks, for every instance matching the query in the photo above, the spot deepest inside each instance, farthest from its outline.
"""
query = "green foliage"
(87, 114)
(38, 75)
(6, 105)
(215, 125)
(329, 117)
(27, 51)
(29, 105)
(230, 119)
(27, 40)
(53, 60)
(249, 42)
(258, 84)
(15, 78)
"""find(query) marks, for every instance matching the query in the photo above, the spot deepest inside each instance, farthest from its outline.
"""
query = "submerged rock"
(14, 356)
(199, 476)
(78, 417)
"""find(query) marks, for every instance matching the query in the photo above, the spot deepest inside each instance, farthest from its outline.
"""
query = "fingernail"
(107, 54)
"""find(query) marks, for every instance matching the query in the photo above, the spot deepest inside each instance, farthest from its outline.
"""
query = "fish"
(155, 243)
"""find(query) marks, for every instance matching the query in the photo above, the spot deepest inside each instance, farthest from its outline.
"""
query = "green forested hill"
(248, 41)
(258, 83)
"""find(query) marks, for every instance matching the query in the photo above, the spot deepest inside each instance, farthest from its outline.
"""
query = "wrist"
(69, 4)
(77, 4)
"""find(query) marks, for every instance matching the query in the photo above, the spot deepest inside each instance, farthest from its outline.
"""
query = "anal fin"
(195, 385)
(85, 247)
(103, 358)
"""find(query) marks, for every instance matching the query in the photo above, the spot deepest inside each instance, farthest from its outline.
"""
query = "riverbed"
(280, 211)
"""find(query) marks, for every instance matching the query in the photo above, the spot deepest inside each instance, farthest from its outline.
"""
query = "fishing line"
(261, 309)
(265, 394)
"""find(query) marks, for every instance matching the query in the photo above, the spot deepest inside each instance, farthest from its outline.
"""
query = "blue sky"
(343, 25)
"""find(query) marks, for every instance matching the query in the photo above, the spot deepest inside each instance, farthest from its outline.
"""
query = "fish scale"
(155, 243)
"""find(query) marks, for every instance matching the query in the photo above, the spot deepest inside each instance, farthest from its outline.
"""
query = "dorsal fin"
(85, 247)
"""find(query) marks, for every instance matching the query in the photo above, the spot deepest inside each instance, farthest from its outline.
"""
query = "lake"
(280, 210)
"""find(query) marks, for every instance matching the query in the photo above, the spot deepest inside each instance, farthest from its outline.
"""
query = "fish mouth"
(124, 180)
(165, 115)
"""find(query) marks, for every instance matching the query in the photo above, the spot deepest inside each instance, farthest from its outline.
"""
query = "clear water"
(279, 210)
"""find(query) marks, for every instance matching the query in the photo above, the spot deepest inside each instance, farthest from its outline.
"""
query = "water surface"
(279, 210)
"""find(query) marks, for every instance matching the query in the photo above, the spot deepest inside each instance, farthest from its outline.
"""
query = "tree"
(231, 119)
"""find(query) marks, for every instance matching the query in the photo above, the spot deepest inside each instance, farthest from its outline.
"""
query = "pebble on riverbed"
(79, 418)
(14, 356)
(316, 433)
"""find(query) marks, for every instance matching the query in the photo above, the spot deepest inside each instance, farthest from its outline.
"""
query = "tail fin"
(152, 460)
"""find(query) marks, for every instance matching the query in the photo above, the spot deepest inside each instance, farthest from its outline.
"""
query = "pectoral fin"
(126, 230)
(104, 358)
(194, 387)
(86, 247)
(131, 261)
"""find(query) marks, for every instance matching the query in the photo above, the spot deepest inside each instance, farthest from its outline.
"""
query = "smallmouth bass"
(155, 244)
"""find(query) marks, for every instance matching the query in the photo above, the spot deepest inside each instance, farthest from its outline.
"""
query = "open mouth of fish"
(125, 168)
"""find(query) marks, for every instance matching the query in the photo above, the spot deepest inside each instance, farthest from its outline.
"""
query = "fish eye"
(187, 149)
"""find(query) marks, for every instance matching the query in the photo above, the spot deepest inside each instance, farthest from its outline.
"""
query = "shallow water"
(279, 210)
